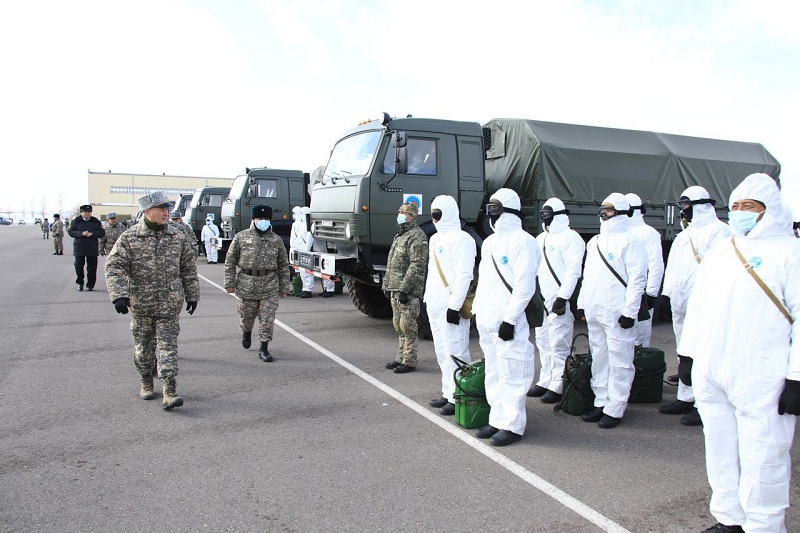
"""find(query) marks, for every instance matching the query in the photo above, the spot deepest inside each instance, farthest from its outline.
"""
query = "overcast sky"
(206, 87)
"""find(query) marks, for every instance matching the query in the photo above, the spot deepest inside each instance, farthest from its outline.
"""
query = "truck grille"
(336, 231)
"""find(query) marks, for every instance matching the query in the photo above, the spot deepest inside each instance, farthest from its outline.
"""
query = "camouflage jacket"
(189, 233)
(155, 270)
(106, 242)
(251, 251)
(58, 228)
(408, 260)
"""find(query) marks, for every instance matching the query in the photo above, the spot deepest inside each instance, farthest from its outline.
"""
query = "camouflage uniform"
(405, 272)
(156, 270)
(263, 275)
(58, 236)
(189, 234)
(45, 229)
(106, 242)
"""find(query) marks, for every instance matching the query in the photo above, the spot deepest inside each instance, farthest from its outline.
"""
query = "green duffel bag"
(577, 397)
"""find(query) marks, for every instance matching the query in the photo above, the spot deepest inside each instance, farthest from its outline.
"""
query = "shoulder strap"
(600, 253)
(694, 251)
(439, 268)
(749, 268)
(510, 289)
(553, 272)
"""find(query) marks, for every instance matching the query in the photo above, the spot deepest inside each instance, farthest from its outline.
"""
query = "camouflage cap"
(155, 199)
(111, 215)
(175, 214)
(409, 208)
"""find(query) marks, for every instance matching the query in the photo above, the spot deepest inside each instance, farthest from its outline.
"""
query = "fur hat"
(155, 199)
(262, 211)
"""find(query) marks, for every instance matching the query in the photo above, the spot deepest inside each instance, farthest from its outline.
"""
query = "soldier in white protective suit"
(510, 252)
(559, 271)
(451, 260)
(687, 252)
(209, 235)
(744, 341)
(302, 241)
(614, 279)
(643, 329)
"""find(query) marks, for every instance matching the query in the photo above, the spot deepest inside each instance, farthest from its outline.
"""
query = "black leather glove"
(560, 306)
(580, 314)
(685, 370)
(506, 331)
(122, 305)
(651, 301)
(625, 322)
(789, 402)
(191, 306)
(453, 316)
(403, 297)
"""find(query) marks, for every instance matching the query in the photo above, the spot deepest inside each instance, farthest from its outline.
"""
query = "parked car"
(37, 220)
(6, 221)
(21, 222)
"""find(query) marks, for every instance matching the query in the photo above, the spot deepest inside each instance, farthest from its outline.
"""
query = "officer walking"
(405, 280)
(261, 280)
(113, 231)
(151, 271)
(86, 232)
(58, 235)
(45, 229)
(450, 271)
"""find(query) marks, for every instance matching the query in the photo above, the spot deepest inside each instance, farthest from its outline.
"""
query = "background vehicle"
(380, 164)
(37, 220)
(6, 221)
(280, 189)
(21, 222)
(183, 203)
(206, 201)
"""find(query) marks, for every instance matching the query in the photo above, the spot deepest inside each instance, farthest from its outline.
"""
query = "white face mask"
(401, 218)
(263, 225)
(743, 221)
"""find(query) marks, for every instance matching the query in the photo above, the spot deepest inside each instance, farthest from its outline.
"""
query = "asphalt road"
(323, 439)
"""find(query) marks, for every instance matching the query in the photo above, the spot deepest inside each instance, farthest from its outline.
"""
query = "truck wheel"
(424, 324)
(368, 299)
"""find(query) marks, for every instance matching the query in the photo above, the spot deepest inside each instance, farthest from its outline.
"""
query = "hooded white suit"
(509, 364)
(643, 329)
(209, 235)
(455, 251)
(564, 249)
(743, 350)
(302, 241)
(604, 300)
(704, 231)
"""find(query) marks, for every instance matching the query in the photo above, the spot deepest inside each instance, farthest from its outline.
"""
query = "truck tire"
(369, 300)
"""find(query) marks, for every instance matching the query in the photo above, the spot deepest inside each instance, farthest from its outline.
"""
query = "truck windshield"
(353, 156)
(238, 188)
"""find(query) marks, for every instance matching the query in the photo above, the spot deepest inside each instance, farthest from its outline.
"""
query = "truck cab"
(206, 202)
(183, 203)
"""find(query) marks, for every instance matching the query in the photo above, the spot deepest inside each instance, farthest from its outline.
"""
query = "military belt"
(250, 272)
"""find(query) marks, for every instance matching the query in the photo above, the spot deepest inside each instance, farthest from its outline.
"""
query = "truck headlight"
(347, 230)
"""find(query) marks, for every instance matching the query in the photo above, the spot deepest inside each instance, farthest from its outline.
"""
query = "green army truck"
(183, 203)
(206, 203)
(280, 189)
(377, 166)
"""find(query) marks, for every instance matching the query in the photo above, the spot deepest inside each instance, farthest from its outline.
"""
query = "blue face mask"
(401, 218)
(263, 225)
(742, 221)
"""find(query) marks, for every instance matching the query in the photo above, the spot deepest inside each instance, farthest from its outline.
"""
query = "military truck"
(206, 202)
(280, 189)
(183, 203)
(380, 164)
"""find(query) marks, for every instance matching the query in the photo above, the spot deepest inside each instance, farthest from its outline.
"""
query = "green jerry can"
(648, 382)
(472, 409)
(297, 284)
(577, 397)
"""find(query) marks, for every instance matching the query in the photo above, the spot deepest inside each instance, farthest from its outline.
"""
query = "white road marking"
(606, 524)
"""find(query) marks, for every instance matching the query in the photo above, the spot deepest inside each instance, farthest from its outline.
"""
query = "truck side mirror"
(400, 139)
(401, 160)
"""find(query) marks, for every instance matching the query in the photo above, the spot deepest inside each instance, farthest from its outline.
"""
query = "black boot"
(264, 354)
(246, 339)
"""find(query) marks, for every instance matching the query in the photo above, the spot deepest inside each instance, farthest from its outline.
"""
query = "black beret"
(262, 211)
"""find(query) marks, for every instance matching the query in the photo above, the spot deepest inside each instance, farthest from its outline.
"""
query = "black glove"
(453, 316)
(122, 305)
(580, 314)
(651, 301)
(560, 306)
(625, 322)
(403, 297)
(789, 402)
(685, 370)
(191, 306)
(506, 331)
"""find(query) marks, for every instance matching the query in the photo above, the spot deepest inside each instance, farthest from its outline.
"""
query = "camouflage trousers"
(404, 320)
(156, 337)
(265, 311)
(58, 243)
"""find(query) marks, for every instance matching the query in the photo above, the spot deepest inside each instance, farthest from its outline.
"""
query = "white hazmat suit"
(564, 249)
(745, 352)
(643, 329)
(509, 364)
(455, 252)
(209, 235)
(605, 299)
(302, 241)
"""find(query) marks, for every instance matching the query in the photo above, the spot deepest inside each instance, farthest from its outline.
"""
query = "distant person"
(45, 229)
(151, 271)
(559, 272)
(113, 231)
(741, 332)
(651, 238)
(86, 231)
(209, 235)
(405, 282)
(685, 257)
(257, 271)
(302, 241)
(177, 219)
(58, 235)
(451, 262)
(614, 279)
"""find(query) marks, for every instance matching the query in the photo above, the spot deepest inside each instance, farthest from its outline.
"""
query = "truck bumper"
(322, 265)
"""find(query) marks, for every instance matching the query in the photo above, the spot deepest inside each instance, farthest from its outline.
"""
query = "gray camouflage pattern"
(189, 234)
(265, 311)
(106, 242)
(156, 335)
(58, 235)
(252, 251)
